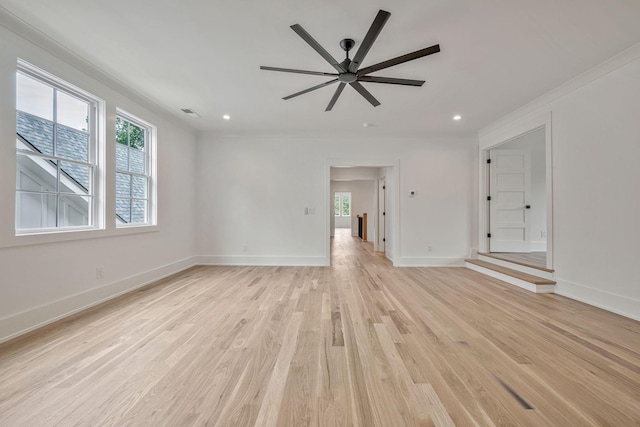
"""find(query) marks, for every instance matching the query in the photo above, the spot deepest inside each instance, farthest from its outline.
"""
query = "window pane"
(34, 97)
(36, 174)
(122, 131)
(346, 205)
(132, 160)
(138, 187)
(35, 210)
(72, 143)
(122, 158)
(74, 178)
(52, 120)
(336, 205)
(138, 211)
(136, 137)
(136, 161)
(123, 210)
(123, 185)
(36, 133)
(74, 210)
(72, 112)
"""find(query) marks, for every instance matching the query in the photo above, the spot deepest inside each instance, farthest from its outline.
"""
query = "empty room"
(278, 213)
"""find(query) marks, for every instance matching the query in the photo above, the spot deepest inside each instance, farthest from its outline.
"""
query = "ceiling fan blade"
(335, 96)
(302, 92)
(400, 59)
(390, 80)
(289, 70)
(369, 39)
(316, 46)
(362, 91)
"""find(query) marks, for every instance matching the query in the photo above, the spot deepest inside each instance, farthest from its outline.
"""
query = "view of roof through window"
(54, 165)
(131, 173)
(38, 109)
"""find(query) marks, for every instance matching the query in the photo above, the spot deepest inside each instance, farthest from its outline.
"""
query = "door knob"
(528, 207)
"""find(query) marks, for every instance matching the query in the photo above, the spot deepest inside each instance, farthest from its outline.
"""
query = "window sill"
(134, 229)
(57, 236)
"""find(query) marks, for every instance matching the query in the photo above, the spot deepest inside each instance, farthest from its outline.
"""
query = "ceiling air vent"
(189, 112)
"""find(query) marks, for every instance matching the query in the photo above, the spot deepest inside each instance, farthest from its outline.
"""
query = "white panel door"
(510, 187)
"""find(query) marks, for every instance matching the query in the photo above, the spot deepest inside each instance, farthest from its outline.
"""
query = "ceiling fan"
(349, 71)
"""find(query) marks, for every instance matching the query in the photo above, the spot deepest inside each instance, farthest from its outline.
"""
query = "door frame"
(392, 202)
(492, 140)
(382, 207)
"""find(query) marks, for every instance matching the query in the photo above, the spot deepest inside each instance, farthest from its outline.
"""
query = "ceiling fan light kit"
(349, 71)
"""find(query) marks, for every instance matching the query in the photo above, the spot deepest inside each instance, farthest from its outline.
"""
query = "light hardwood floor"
(359, 343)
(531, 259)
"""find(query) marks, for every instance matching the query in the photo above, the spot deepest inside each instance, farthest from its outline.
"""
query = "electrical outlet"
(543, 234)
(244, 248)
(429, 249)
(99, 273)
(312, 211)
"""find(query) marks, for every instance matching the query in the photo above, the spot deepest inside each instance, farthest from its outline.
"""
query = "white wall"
(534, 143)
(596, 192)
(257, 189)
(342, 222)
(39, 281)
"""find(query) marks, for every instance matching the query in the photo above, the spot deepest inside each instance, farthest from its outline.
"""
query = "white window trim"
(96, 154)
(151, 166)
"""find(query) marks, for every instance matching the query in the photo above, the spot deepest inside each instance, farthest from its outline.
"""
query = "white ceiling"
(496, 56)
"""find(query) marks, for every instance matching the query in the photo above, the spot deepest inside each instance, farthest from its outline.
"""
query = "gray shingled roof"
(74, 144)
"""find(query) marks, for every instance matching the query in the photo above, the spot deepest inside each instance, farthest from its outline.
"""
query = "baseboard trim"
(624, 306)
(291, 261)
(538, 246)
(26, 321)
(429, 262)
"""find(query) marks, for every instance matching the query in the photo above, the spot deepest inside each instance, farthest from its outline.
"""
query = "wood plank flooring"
(531, 259)
(358, 343)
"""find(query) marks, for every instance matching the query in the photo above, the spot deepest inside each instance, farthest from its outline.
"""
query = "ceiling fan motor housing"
(347, 77)
(347, 44)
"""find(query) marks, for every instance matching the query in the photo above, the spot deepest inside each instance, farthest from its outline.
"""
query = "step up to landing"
(524, 280)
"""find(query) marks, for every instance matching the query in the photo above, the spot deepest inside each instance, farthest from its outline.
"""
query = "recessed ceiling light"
(457, 117)
(226, 117)
(367, 125)
(189, 112)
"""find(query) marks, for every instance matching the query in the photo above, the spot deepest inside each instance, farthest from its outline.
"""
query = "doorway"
(362, 179)
(515, 199)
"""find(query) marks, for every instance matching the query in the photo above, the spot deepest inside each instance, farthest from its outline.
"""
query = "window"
(133, 170)
(56, 153)
(342, 204)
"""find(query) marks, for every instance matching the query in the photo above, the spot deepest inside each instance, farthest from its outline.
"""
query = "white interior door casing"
(381, 215)
(510, 189)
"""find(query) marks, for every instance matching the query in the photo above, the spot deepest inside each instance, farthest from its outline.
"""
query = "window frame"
(95, 154)
(150, 132)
